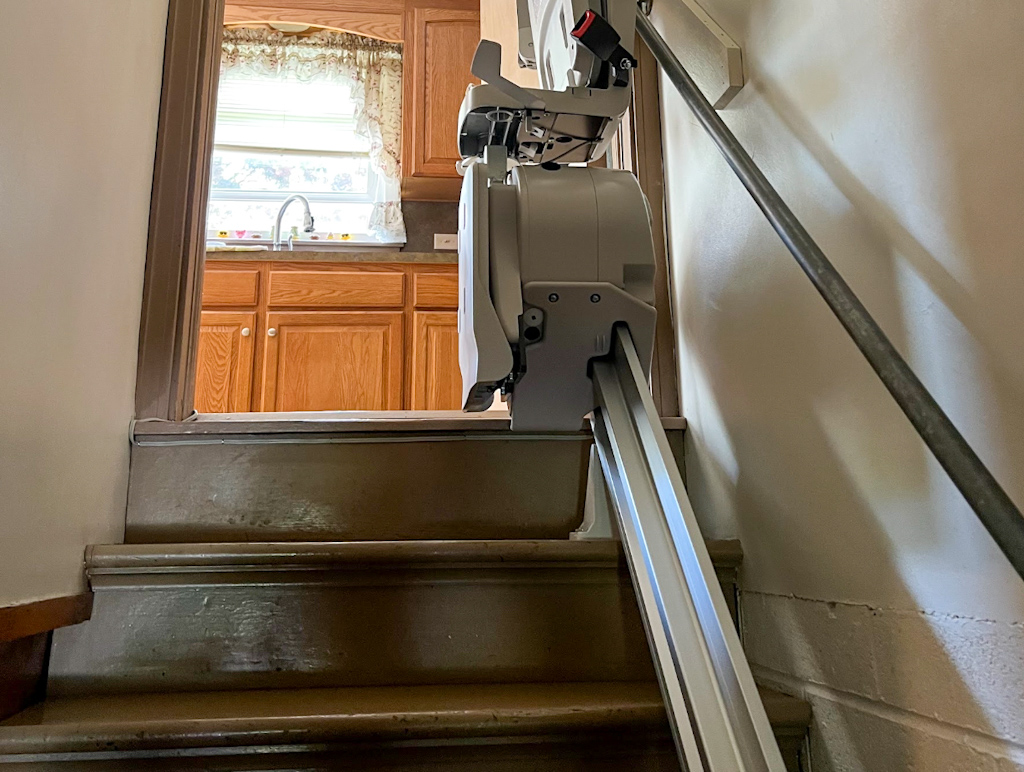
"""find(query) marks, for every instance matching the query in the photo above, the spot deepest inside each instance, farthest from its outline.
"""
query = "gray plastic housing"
(551, 260)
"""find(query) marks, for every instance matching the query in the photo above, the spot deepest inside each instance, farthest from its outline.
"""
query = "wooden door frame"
(169, 327)
(639, 149)
(176, 250)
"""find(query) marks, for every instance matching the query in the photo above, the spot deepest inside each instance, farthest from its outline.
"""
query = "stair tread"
(279, 716)
(134, 558)
(257, 426)
(380, 714)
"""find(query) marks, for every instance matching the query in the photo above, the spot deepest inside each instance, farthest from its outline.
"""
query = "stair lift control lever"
(552, 256)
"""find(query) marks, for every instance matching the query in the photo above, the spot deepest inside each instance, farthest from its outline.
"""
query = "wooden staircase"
(373, 622)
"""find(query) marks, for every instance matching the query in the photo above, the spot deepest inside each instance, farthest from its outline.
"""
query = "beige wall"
(896, 131)
(79, 95)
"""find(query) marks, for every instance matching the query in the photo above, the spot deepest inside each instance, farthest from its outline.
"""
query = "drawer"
(230, 288)
(337, 289)
(435, 290)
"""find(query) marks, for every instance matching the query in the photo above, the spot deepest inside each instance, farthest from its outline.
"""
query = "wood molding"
(383, 26)
(452, 5)
(328, 6)
(41, 616)
(648, 165)
(431, 188)
(177, 239)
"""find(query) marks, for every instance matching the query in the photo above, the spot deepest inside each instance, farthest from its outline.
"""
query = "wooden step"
(343, 481)
(495, 727)
(258, 615)
(349, 477)
(204, 617)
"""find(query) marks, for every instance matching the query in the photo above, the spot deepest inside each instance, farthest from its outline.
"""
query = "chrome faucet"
(307, 220)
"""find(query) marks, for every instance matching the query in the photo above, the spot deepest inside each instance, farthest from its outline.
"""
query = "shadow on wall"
(893, 131)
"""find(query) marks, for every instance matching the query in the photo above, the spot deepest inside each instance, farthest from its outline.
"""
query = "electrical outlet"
(446, 241)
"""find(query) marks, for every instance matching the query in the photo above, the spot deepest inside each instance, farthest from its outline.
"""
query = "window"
(276, 136)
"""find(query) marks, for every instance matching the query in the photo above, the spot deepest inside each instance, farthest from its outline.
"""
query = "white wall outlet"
(446, 241)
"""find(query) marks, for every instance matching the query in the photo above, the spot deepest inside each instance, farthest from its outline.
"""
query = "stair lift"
(551, 256)
(556, 311)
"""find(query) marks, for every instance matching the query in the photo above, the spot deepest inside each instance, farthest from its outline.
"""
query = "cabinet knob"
(272, 332)
(245, 332)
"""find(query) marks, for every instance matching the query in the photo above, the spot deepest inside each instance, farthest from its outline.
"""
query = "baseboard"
(41, 616)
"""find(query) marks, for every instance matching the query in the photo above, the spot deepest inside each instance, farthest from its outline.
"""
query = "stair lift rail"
(717, 717)
(979, 487)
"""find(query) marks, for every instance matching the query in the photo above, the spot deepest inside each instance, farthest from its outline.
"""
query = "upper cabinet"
(439, 48)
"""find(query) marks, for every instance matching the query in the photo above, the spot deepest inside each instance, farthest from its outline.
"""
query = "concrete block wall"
(894, 132)
(893, 689)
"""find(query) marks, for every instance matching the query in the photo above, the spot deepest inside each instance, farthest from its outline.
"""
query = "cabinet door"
(499, 21)
(333, 360)
(439, 51)
(224, 366)
(436, 380)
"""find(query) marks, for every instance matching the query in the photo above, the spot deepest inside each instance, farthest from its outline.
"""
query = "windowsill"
(305, 245)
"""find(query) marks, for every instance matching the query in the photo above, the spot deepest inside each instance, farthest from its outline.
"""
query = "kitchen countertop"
(339, 256)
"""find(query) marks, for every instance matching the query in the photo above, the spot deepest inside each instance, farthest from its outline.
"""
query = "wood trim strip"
(383, 26)
(41, 616)
(431, 188)
(648, 164)
(411, 556)
(177, 245)
(328, 6)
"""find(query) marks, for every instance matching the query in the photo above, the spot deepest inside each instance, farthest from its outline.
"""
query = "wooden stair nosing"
(255, 427)
(128, 559)
(134, 722)
(319, 716)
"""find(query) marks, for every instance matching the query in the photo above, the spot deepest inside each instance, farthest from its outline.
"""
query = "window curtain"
(372, 67)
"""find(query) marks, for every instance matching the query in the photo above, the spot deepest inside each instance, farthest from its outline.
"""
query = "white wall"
(79, 96)
(896, 132)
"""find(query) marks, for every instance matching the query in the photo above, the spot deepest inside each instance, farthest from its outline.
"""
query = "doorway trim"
(169, 328)
(176, 249)
(638, 148)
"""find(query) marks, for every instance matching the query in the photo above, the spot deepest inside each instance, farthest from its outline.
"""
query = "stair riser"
(370, 489)
(440, 626)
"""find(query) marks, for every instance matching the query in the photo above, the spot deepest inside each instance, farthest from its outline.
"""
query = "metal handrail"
(979, 487)
(716, 715)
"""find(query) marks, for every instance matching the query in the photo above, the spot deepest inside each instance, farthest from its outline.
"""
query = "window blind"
(287, 114)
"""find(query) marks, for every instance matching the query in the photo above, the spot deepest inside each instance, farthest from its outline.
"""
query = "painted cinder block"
(963, 671)
(845, 739)
(822, 643)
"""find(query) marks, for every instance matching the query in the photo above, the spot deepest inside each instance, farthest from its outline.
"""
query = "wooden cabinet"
(499, 22)
(439, 48)
(338, 288)
(322, 360)
(230, 287)
(224, 369)
(436, 380)
(294, 336)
